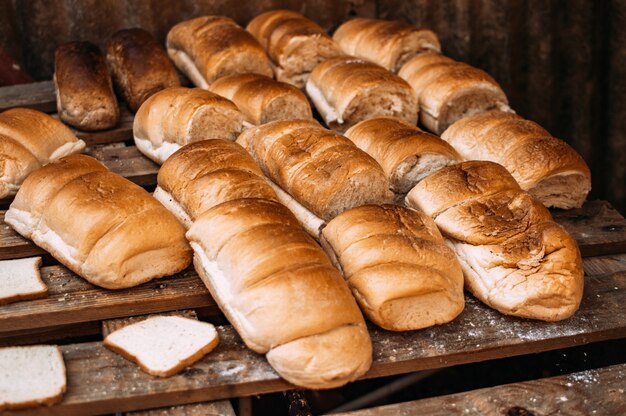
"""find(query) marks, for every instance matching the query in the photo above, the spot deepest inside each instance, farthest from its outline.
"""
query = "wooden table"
(100, 381)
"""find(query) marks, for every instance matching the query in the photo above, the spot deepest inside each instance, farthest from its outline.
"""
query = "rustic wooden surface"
(592, 392)
(37, 95)
(72, 299)
(217, 408)
(102, 381)
(111, 325)
(51, 334)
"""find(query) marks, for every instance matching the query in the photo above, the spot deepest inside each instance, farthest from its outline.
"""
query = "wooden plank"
(232, 370)
(112, 325)
(37, 95)
(72, 299)
(50, 334)
(590, 392)
(218, 408)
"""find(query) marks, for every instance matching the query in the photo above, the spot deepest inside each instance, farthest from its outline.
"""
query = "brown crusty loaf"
(208, 173)
(406, 153)
(100, 225)
(397, 265)
(294, 43)
(388, 43)
(209, 47)
(448, 90)
(514, 256)
(262, 99)
(140, 67)
(348, 90)
(175, 116)
(280, 291)
(30, 139)
(319, 173)
(543, 165)
(84, 90)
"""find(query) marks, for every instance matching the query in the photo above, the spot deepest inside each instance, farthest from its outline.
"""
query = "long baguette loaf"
(348, 90)
(279, 290)
(316, 172)
(514, 256)
(388, 43)
(176, 116)
(84, 90)
(98, 224)
(397, 265)
(139, 65)
(209, 47)
(208, 173)
(545, 166)
(262, 99)
(406, 153)
(30, 139)
(448, 90)
(294, 43)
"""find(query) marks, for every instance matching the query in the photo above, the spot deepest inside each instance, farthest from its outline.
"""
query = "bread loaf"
(262, 99)
(139, 65)
(316, 172)
(406, 153)
(515, 258)
(448, 90)
(30, 139)
(208, 173)
(209, 47)
(294, 43)
(388, 43)
(546, 167)
(280, 291)
(174, 117)
(397, 265)
(98, 224)
(347, 90)
(84, 90)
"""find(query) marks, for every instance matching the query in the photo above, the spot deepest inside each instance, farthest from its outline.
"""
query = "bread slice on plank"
(164, 345)
(20, 280)
(31, 376)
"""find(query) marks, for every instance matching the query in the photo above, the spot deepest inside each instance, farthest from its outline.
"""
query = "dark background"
(562, 63)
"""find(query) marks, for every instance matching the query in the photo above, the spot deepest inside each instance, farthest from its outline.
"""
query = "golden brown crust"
(514, 256)
(262, 99)
(294, 43)
(210, 172)
(85, 97)
(322, 170)
(388, 43)
(217, 47)
(140, 67)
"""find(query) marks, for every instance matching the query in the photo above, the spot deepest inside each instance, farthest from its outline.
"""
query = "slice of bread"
(31, 376)
(20, 280)
(164, 345)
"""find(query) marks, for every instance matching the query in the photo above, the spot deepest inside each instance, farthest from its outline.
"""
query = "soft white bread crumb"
(164, 345)
(20, 280)
(31, 376)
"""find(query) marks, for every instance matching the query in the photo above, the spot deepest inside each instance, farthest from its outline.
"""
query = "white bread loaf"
(348, 90)
(163, 345)
(20, 280)
(545, 166)
(174, 117)
(280, 291)
(515, 258)
(397, 265)
(406, 153)
(209, 47)
(448, 90)
(30, 139)
(294, 43)
(388, 43)
(101, 226)
(317, 173)
(208, 173)
(31, 376)
(262, 99)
